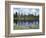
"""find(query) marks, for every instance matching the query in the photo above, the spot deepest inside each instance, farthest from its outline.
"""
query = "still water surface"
(26, 23)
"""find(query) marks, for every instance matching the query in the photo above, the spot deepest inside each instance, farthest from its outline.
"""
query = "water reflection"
(26, 23)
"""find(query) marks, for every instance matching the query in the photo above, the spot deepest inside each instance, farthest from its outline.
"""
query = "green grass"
(26, 18)
(26, 27)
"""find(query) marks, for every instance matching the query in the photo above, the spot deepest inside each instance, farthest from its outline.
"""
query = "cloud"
(27, 10)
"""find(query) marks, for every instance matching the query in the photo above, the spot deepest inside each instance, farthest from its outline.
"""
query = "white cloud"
(27, 11)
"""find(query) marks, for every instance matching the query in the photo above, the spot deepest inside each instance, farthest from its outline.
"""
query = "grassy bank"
(26, 18)
(19, 27)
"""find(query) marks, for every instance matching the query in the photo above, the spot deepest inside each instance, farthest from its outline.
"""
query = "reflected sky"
(26, 11)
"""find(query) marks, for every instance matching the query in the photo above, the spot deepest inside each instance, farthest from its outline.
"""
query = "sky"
(26, 11)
